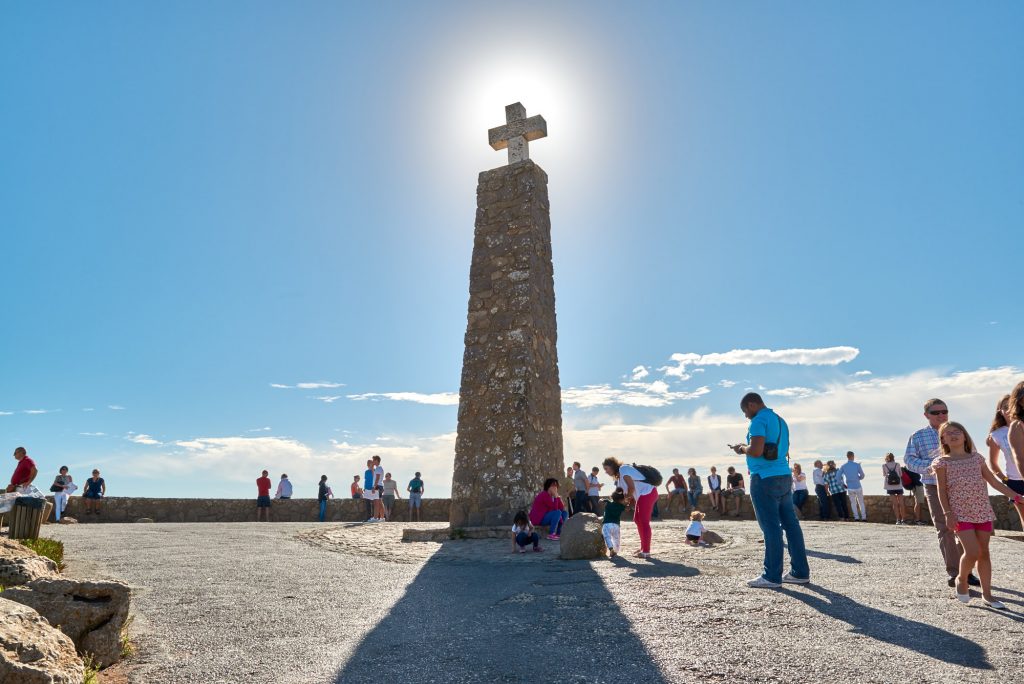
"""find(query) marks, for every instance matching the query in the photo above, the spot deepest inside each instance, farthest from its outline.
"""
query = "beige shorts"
(918, 494)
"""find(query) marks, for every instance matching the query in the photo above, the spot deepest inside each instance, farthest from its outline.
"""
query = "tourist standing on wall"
(676, 488)
(378, 486)
(389, 495)
(284, 488)
(893, 482)
(62, 487)
(642, 494)
(323, 493)
(25, 472)
(799, 488)
(693, 487)
(999, 443)
(852, 476)
(715, 490)
(262, 497)
(821, 490)
(922, 449)
(370, 493)
(771, 493)
(416, 490)
(594, 490)
(581, 484)
(836, 490)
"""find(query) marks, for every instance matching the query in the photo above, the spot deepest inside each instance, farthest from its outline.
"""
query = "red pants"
(642, 518)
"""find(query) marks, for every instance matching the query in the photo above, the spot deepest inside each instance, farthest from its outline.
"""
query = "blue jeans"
(554, 520)
(799, 499)
(581, 503)
(323, 510)
(821, 491)
(772, 498)
(522, 539)
(693, 495)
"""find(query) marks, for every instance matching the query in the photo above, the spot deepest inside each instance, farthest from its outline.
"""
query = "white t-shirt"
(638, 481)
(592, 488)
(799, 484)
(1001, 436)
(695, 529)
(516, 529)
(378, 476)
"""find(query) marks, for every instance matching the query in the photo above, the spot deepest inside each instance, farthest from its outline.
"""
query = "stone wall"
(130, 509)
(510, 407)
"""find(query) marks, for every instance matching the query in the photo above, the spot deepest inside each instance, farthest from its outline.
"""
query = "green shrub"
(50, 548)
(92, 673)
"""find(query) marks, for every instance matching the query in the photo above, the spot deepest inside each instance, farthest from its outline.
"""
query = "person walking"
(999, 443)
(641, 493)
(284, 487)
(922, 449)
(95, 491)
(853, 474)
(821, 491)
(415, 490)
(676, 488)
(771, 493)
(594, 490)
(836, 490)
(799, 488)
(715, 490)
(892, 482)
(323, 493)
(961, 476)
(25, 472)
(693, 488)
(62, 488)
(611, 527)
(263, 497)
(581, 485)
(389, 495)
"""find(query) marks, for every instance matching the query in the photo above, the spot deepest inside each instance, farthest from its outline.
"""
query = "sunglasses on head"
(938, 413)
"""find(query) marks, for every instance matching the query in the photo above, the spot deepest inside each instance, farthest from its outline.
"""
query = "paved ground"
(292, 603)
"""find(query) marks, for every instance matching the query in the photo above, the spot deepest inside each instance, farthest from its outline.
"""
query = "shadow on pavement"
(541, 619)
(921, 637)
(839, 558)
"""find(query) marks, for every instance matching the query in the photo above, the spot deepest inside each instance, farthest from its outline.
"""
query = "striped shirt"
(922, 449)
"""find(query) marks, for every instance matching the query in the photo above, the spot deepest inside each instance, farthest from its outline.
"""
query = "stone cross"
(517, 133)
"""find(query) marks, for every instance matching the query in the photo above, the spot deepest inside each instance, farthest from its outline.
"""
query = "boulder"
(33, 652)
(582, 538)
(712, 537)
(92, 613)
(20, 564)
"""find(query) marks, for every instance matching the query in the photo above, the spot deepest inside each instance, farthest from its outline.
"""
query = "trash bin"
(26, 517)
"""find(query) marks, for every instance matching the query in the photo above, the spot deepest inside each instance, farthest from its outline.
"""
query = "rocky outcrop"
(91, 613)
(712, 537)
(19, 564)
(581, 538)
(33, 652)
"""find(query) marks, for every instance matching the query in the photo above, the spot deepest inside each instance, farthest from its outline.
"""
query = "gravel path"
(293, 603)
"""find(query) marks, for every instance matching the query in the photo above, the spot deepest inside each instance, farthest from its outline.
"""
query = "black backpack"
(650, 473)
(894, 477)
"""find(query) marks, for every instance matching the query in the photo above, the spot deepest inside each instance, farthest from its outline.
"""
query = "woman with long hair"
(999, 442)
(640, 493)
(892, 481)
(799, 488)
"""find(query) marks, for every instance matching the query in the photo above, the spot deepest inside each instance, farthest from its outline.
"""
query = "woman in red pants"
(636, 488)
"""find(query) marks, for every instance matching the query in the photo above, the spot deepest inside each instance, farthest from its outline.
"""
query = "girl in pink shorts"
(962, 475)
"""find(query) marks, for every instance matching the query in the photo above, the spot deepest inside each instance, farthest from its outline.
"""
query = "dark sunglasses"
(938, 413)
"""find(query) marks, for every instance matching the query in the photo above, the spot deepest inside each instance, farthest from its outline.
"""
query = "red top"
(678, 481)
(263, 485)
(23, 471)
(543, 504)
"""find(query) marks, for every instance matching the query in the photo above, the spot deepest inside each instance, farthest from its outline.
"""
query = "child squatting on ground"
(695, 530)
(523, 533)
(612, 520)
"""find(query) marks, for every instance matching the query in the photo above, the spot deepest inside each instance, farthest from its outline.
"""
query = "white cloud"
(6, 413)
(140, 438)
(88, 409)
(309, 385)
(260, 429)
(330, 399)
(93, 434)
(436, 399)
(727, 383)
(38, 412)
(791, 392)
(827, 356)
(639, 373)
(115, 407)
(650, 395)
(862, 374)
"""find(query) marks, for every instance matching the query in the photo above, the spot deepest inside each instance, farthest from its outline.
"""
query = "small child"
(612, 519)
(695, 531)
(523, 533)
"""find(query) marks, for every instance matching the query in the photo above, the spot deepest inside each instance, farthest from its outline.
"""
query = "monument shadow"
(515, 619)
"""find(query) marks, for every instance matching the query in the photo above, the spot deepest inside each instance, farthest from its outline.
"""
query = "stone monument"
(510, 404)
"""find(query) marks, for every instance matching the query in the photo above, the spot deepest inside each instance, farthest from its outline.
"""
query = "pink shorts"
(981, 527)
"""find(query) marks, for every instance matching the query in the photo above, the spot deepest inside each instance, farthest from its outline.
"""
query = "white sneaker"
(788, 578)
(762, 583)
(998, 605)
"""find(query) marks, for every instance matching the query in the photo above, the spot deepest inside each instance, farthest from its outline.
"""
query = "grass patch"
(127, 647)
(92, 673)
(50, 548)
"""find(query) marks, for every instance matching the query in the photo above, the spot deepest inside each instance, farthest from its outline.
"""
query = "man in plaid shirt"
(922, 448)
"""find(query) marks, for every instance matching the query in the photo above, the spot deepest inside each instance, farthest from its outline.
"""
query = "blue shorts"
(263, 502)
(415, 499)
(92, 495)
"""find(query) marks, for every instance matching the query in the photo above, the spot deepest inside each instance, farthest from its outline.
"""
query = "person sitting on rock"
(548, 509)
(523, 533)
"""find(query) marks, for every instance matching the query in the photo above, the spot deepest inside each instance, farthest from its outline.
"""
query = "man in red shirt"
(263, 498)
(25, 472)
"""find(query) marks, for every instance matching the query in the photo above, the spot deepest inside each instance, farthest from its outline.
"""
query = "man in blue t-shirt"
(771, 493)
(370, 494)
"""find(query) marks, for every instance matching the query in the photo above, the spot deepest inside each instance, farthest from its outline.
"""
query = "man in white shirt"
(594, 490)
(284, 488)
(852, 475)
(378, 486)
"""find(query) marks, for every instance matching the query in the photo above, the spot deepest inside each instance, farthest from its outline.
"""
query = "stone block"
(20, 565)
(32, 651)
(581, 538)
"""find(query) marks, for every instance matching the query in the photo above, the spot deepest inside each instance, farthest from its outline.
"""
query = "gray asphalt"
(294, 603)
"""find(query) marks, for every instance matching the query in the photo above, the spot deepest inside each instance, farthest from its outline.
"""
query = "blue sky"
(199, 202)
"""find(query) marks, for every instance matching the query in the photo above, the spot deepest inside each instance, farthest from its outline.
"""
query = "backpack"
(909, 478)
(894, 477)
(650, 473)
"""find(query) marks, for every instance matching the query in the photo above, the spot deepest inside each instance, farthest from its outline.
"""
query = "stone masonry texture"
(510, 405)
